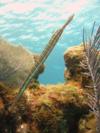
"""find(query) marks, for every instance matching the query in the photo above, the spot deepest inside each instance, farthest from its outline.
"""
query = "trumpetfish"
(51, 44)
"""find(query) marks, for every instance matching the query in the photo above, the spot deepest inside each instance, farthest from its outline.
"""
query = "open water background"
(30, 23)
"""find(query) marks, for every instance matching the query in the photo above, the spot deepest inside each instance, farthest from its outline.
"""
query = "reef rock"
(15, 64)
(74, 71)
(61, 108)
(47, 109)
(87, 124)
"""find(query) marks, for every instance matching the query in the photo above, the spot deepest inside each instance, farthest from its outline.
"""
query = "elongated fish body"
(52, 42)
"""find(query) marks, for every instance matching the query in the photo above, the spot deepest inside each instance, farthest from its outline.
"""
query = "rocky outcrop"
(74, 71)
(60, 108)
(15, 64)
(47, 109)
(87, 124)
(75, 74)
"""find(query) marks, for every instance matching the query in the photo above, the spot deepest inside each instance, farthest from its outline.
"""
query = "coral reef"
(74, 71)
(48, 109)
(60, 108)
(87, 124)
(92, 62)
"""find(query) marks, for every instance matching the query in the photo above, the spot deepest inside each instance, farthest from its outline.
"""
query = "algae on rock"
(74, 71)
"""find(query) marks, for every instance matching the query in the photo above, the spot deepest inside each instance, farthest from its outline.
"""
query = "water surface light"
(30, 23)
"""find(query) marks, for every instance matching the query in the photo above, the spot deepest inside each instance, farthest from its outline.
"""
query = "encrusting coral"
(60, 108)
(47, 109)
(74, 71)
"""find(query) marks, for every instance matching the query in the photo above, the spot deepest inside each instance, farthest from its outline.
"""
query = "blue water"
(31, 24)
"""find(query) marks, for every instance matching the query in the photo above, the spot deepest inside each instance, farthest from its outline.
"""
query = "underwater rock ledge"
(47, 109)
(73, 58)
(60, 108)
(15, 64)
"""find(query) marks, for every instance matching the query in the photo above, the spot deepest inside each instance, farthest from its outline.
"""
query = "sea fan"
(92, 63)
